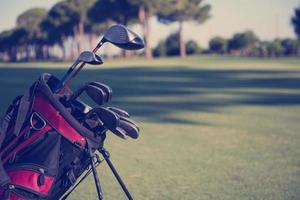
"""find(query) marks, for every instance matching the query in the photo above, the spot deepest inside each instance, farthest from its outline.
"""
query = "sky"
(269, 19)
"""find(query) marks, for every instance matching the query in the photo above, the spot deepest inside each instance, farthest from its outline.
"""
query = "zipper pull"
(41, 179)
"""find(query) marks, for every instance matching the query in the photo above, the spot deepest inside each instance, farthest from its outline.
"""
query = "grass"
(211, 127)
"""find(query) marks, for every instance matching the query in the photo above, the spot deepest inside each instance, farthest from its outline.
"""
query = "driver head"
(123, 37)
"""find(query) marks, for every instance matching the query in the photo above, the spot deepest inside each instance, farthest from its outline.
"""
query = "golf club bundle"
(49, 137)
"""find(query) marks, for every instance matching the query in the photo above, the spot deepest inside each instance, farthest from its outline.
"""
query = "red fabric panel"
(27, 142)
(29, 179)
(49, 113)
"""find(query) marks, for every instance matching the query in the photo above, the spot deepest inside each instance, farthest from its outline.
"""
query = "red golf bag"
(44, 149)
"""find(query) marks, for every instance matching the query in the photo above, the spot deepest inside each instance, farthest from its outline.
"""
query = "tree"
(12, 42)
(182, 11)
(160, 49)
(289, 46)
(275, 48)
(26, 37)
(68, 18)
(296, 23)
(95, 29)
(80, 9)
(119, 11)
(170, 47)
(192, 48)
(35, 38)
(59, 24)
(218, 45)
(31, 19)
(147, 9)
(242, 43)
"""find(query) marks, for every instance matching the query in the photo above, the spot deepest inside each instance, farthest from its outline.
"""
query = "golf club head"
(131, 122)
(98, 95)
(124, 38)
(105, 88)
(120, 112)
(90, 58)
(120, 133)
(130, 129)
(109, 119)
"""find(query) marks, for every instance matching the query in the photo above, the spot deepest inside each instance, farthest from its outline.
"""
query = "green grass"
(211, 127)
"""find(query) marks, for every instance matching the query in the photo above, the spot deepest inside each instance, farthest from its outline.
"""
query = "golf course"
(212, 127)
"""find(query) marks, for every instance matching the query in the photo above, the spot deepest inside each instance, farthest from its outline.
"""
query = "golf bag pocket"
(34, 168)
(33, 180)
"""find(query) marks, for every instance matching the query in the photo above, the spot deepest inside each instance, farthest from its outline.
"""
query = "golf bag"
(46, 145)
(44, 149)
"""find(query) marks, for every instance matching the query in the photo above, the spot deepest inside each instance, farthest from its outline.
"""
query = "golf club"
(109, 119)
(129, 129)
(130, 122)
(104, 87)
(85, 57)
(125, 126)
(120, 36)
(119, 111)
(99, 93)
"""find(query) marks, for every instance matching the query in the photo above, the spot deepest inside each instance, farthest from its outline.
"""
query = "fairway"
(211, 127)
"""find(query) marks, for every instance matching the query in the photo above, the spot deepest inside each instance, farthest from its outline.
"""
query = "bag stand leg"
(106, 156)
(95, 173)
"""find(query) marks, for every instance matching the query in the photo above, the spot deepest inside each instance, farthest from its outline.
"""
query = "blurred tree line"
(63, 31)
(248, 44)
(240, 44)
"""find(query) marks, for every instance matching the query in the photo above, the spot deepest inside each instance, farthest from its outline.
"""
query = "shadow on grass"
(160, 94)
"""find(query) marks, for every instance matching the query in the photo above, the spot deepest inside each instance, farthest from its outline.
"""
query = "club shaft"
(61, 82)
(67, 82)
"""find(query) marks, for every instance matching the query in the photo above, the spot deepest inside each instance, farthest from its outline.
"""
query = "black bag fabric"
(43, 147)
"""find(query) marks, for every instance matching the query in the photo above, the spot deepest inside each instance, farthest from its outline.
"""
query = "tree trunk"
(298, 46)
(64, 55)
(91, 40)
(13, 54)
(144, 18)
(63, 48)
(38, 52)
(80, 35)
(27, 53)
(181, 41)
(45, 52)
(148, 48)
(75, 43)
(74, 48)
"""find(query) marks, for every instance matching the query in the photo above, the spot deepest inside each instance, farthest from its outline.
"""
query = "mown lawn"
(211, 127)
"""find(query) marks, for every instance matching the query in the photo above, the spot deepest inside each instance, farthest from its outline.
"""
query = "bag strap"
(4, 179)
(6, 119)
(22, 113)
(24, 109)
